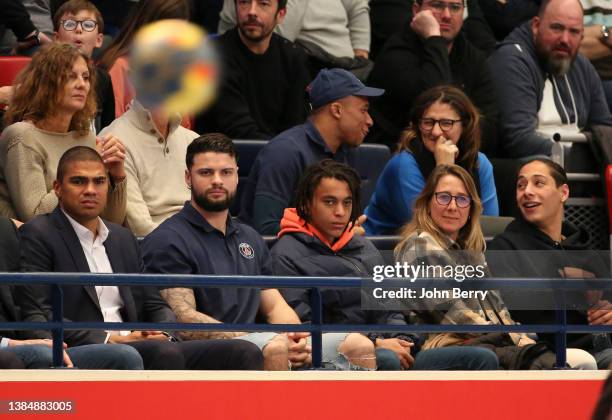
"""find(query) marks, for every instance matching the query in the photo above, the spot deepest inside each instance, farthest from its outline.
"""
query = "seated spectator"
(544, 85)
(444, 129)
(155, 147)
(335, 33)
(263, 88)
(115, 57)
(338, 123)
(316, 239)
(541, 191)
(73, 15)
(73, 238)
(34, 353)
(68, 24)
(429, 52)
(445, 231)
(52, 110)
(391, 16)
(203, 239)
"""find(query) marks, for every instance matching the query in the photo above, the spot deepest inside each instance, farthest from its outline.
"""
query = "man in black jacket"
(430, 51)
(34, 352)
(263, 90)
(545, 246)
(73, 238)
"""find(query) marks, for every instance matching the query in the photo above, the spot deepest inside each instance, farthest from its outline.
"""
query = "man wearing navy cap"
(339, 122)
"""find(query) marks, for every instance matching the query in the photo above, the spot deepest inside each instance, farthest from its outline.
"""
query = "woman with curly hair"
(52, 111)
(444, 129)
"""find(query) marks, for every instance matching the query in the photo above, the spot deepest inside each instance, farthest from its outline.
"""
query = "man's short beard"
(254, 39)
(552, 65)
(558, 66)
(213, 206)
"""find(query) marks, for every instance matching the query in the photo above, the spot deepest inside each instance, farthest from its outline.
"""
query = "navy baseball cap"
(333, 84)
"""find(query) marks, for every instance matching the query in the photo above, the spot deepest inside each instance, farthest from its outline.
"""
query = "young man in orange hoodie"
(316, 239)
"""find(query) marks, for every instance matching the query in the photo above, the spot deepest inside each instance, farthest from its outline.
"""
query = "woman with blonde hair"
(445, 231)
(444, 128)
(52, 111)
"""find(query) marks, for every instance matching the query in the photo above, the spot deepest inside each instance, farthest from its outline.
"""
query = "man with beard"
(203, 239)
(544, 85)
(265, 76)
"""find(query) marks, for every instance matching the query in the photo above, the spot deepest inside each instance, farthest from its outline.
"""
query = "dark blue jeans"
(445, 358)
(456, 358)
(92, 356)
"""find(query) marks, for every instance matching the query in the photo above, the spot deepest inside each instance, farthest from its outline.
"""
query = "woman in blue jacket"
(444, 129)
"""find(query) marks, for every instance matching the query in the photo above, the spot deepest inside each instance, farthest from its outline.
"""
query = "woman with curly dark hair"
(52, 111)
(444, 129)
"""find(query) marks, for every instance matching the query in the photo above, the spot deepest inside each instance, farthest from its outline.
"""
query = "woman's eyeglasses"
(445, 124)
(444, 199)
(87, 25)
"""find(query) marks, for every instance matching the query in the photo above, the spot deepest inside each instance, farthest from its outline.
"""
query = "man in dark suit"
(35, 352)
(73, 238)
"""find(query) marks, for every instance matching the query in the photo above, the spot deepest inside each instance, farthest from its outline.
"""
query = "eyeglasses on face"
(439, 6)
(444, 199)
(87, 25)
(444, 123)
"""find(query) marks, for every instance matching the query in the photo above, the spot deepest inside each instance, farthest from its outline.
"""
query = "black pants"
(199, 355)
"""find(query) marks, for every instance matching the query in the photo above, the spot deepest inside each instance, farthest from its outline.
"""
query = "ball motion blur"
(174, 67)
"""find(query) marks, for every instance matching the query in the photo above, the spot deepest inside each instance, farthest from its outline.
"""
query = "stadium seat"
(494, 225)
(369, 161)
(10, 66)
(247, 152)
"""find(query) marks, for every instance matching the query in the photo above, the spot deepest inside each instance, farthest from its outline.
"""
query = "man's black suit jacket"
(50, 244)
(9, 262)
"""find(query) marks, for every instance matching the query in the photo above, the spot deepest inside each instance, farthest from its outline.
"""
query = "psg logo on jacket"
(246, 250)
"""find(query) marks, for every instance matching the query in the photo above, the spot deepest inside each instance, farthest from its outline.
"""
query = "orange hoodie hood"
(292, 223)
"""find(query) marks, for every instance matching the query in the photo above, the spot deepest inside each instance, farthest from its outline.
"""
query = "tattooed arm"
(182, 302)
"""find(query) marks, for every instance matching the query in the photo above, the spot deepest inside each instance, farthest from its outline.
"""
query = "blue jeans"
(456, 358)
(387, 360)
(91, 356)
(603, 358)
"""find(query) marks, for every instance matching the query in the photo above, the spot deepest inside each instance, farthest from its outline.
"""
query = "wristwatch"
(605, 33)
(32, 40)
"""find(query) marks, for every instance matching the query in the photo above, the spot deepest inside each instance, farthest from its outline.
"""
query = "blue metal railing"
(316, 327)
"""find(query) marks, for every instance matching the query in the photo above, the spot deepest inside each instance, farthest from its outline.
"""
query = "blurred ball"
(173, 66)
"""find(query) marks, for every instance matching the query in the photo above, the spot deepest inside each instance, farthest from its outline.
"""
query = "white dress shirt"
(108, 296)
